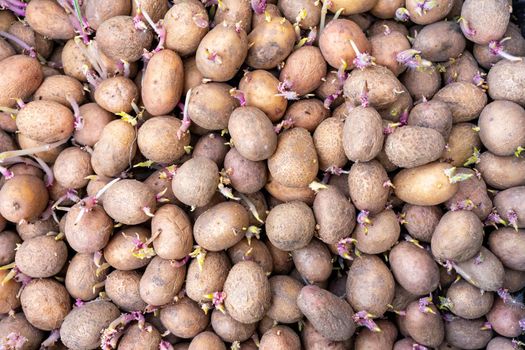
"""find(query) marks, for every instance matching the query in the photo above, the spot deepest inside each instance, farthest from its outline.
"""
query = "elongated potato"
(45, 121)
(161, 282)
(484, 271)
(366, 186)
(362, 134)
(16, 85)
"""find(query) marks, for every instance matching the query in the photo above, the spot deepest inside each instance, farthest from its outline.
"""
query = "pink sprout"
(512, 216)
(87, 204)
(496, 48)
(448, 317)
(522, 324)
(478, 260)
(361, 60)
(112, 334)
(335, 170)
(29, 50)
(486, 326)
(13, 341)
(424, 305)
(363, 219)
(365, 319)
(186, 121)
(401, 218)
(388, 183)
(466, 204)
(517, 344)
(258, 6)
(158, 28)
(79, 120)
(412, 59)
(331, 98)
(124, 68)
(494, 218)
(49, 177)
(365, 100)
(419, 347)
(402, 14)
(8, 174)
(312, 35)
(181, 262)
(79, 22)
(403, 119)
(164, 345)
(79, 302)
(479, 79)
(285, 90)
(284, 124)
(213, 56)
(21, 277)
(53, 338)
(422, 6)
(239, 95)
(465, 26)
(16, 6)
(344, 246)
(200, 20)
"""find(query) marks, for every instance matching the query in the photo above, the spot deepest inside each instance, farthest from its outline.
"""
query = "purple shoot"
(13, 341)
(361, 60)
(466, 204)
(79, 120)
(335, 170)
(141, 250)
(448, 317)
(465, 26)
(494, 218)
(479, 80)
(79, 302)
(402, 15)
(424, 305)
(284, 124)
(512, 216)
(28, 50)
(164, 345)
(124, 68)
(364, 220)
(79, 22)
(158, 27)
(258, 6)
(422, 6)
(412, 59)
(486, 326)
(217, 300)
(8, 174)
(186, 121)
(53, 338)
(239, 95)
(89, 203)
(507, 298)
(496, 48)
(365, 100)
(285, 90)
(419, 347)
(331, 98)
(522, 324)
(112, 334)
(344, 246)
(479, 259)
(49, 177)
(200, 21)
(181, 262)
(365, 319)
(17, 7)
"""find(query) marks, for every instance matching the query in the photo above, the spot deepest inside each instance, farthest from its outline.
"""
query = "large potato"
(472, 194)
(211, 116)
(465, 100)
(505, 81)
(412, 146)
(485, 20)
(246, 176)
(439, 10)
(313, 262)
(184, 318)
(467, 301)
(363, 134)
(426, 328)
(501, 172)
(379, 236)
(285, 290)
(484, 271)
(196, 181)
(130, 202)
(366, 186)
(509, 203)
(121, 250)
(186, 23)
(230, 330)
(45, 121)
(440, 41)
(304, 69)
(432, 114)
(16, 85)
(334, 214)
(462, 141)
(49, 19)
(465, 334)
(174, 239)
(290, 226)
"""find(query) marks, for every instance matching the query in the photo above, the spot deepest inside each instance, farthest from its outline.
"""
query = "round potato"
(303, 70)
(158, 141)
(307, 113)
(122, 287)
(462, 142)
(484, 271)
(145, 337)
(121, 251)
(253, 250)
(440, 41)
(501, 172)
(510, 206)
(246, 176)
(386, 46)
(49, 19)
(196, 181)
(426, 328)
(60, 88)
(432, 114)
(161, 282)
(505, 81)
(280, 338)
(71, 168)
(438, 10)
(421, 221)
(467, 301)
(284, 308)
(380, 236)
(18, 324)
(83, 277)
(506, 244)
(235, 11)
(486, 20)
(16, 85)
(290, 226)
(116, 94)
(130, 202)
(186, 23)
(95, 118)
(41, 256)
(88, 231)
(211, 146)
(230, 330)
(184, 319)
(304, 259)
(211, 116)
(465, 100)
(8, 243)
(422, 83)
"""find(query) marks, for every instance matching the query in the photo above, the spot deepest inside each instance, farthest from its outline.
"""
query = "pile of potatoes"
(273, 175)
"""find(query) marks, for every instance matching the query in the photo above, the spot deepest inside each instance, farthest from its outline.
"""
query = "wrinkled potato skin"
(307, 113)
(230, 330)
(412, 146)
(304, 69)
(16, 85)
(280, 338)
(126, 202)
(254, 250)
(290, 226)
(363, 134)
(334, 214)
(208, 280)
(501, 172)
(466, 100)
(484, 20)
(58, 88)
(161, 282)
(421, 220)
(284, 308)
(19, 324)
(432, 114)
(380, 236)
(116, 94)
(118, 252)
(45, 121)
(175, 237)
(41, 256)
(467, 300)
(260, 90)
(213, 116)
(365, 183)
(82, 275)
(184, 319)
(505, 81)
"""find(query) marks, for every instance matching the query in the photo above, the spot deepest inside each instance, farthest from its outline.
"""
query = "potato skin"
(19, 324)
(196, 181)
(162, 82)
(211, 116)
(158, 141)
(119, 251)
(280, 338)
(304, 259)
(484, 20)
(313, 340)
(440, 41)
(252, 133)
(362, 134)
(380, 340)
(328, 141)
(161, 282)
(385, 47)
(8, 242)
(95, 118)
(425, 328)
(16, 85)
(505, 81)
(510, 199)
(8, 294)
(439, 11)
(506, 244)
(211, 146)
(304, 69)
(380, 236)
(31, 229)
(82, 275)
(184, 319)
(487, 275)
(94, 317)
(432, 114)
(183, 35)
(116, 94)
(505, 318)
(208, 280)
(284, 308)
(307, 113)
(97, 11)
(254, 250)
(467, 334)
(461, 143)
(136, 338)
(41, 256)
(287, 194)
(334, 214)
(234, 11)
(330, 316)
(126, 202)
(246, 176)
(58, 88)
(91, 232)
(45, 121)
(414, 268)
(467, 300)
(122, 287)
(501, 173)
(71, 168)
(465, 100)
(49, 19)
(230, 330)
(207, 340)
(290, 226)
(174, 240)
(421, 221)
(365, 183)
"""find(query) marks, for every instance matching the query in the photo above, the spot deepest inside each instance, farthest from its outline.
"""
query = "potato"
(505, 317)
(366, 186)
(514, 280)
(385, 47)
(362, 134)
(95, 118)
(209, 279)
(19, 325)
(7, 123)
(6, 19)
(282, 260)
(162, 281)
(71, 168)
(380, 236)
(440, 41)
(137, 337)
(382, 340)
(246, 176)
(174, 229)
(287, 194)
(94, 318)
(484, 271)
(290, 226)
(27, 35)
(247, 278)
(211, 146)
(155, 8)
(472, 195)
(421, 221)
(426, 328)
(504, 79)
(284, 308)
(424, 185)
(370, 285)
(515, 46)
(465, 100)
(435, 12)
(271, 9)
(413, 268)
(432, 114)
(294, 163)
(216, 116)
(74, 61)
(9, 292)
(334, 214)
(83, 277)
(31, 229)
(291, 9)
(158, 141)
(8, 243)
(41, 256)
(192, 76)
(221, 52)
(462, 69)
(16, 85)
(484, 21)
(119, 252)
(230, 330)
(500, 343)
(122, 287)
(328, 142)
(386, 8)
(383, 27)
(59, 88)
(307, 114)
(461, 143)
(119, 39)
(45, 303)
(116, 94)
(304, 259)
(260, 90)
(502, 129)
(130, 202)
(505, 243)
(467, 334)
(184, 319)
(507, 203)
(303, 70)
(252, 133)
(45, 121)
(50, 20)
(270, 43)
(330, 316)
(501, 172)
(88, 230)
(253, 250)
(422, 83)
(467, 301)
(280, 338)
(97, 12)
(349, 7)
(195, 181)
(207, 340)
(313, 340)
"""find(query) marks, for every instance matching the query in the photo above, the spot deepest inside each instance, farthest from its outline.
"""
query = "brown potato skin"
(465, 100)
(211, 146)
(313, 340)
(291, 9)
(461, 143)
(505, 81)
(467, 300)
(475, 190)
(45, 303)
(505, 318)
(31, 229)
(432, 114)
(414, 268)
(288, 194)
(95, 118)
(49, 19)
(246, 176)
(284, 308)
(45, 121)
(329, 315)
(82, 275)
(122, 287)
(351, 7)
(334, 214)
(230, 330)
(95, 317)
(161, 282)
(211, 116)
(501, 173)
(421, 220)
(16, 85)
(462, 69)
(365, 183)
(71, 168)
(8, 294)
(8, 242)
(328, 141)
(506, 244)
(466, 334)
(6, 19)
(247, 278)
(174, 240)
(182, 33)
(91, 232)
(118, 252)
(41, 256)
(314, 262)
(136, 338)
(487, 19)
(158, 141)
(440, 10)
(97, 11)
(422, 83)
(162, 82)
(260, 90)
(370, 285)
(184, 319)
(386, 9)
(195, 181)
(514, 280)
(511, 198)
(235, 11)
(116, 94)
(382, 340)
(252, 133)
(290, 226)
(208, 280)
(307, 113)
(19, 324)
(58, 88)
(500, 343)
(487, 275)
(440, 41)
(192, 76)
(125, 201)
(385, 47)
(253, 250)
(362, 134)
(304, 69)
(280, 338)
(381, 235)
(425, 328)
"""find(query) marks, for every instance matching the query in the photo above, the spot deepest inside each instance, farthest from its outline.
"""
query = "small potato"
(246, 176)
(380, 236)
(31, 229)
(502, 127)
(370, 285)
(94, 318)
(162, 83)
(334, 214)
(303, 70)
(116, 94)
(465, 100)
(71, 168)
(421, 221)
(514, 280)
(472, 194)
(362, 134)
(95, 119)
(386, 47)
(158, 141)
(45, 121)
(462, 141)
(211, 116)
(377, 340)
(186, 23)
(313, 340)
(438, 10)
(209, 278)
(9, 295)
(386, 9)
(422, 83)
(130, 202)
(49, 19)
(440, 41)
(424, 185)
(426, 328)
(467, 301)
(252, 133)
(485, 20)
(253, 250)
(462, 69)
(501, 172)
(84, 278)
(432, 114)
(468, 334)
(137, 338)
(508, 203)
(99, 11)
(366, 186)
(505, 80)
(174, 229)
(42, 256)
(294, 163)
(16, 85)
(18, 324)
(270, 43)
(122, 287)
(330, 316)
(230, 330)
(121, 250)
(328, 141)
(60, 88)
(287, 194)
(280, 338)
(119, 39)
(8, 243)
(88, 231)
(221, 226)
(457, 237)
(414, 268)
(211, 146)
(45, 303)
(329, 89)
(184, 319)
(162, 281)
(260, 90)
(221, 52)
(284, 308)
(412, 146)
(314, 262)
(290, 226)
(484, 271)
(234, 11)
(247, 278)
(506, 244)
(307, 114)
(291, 9)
